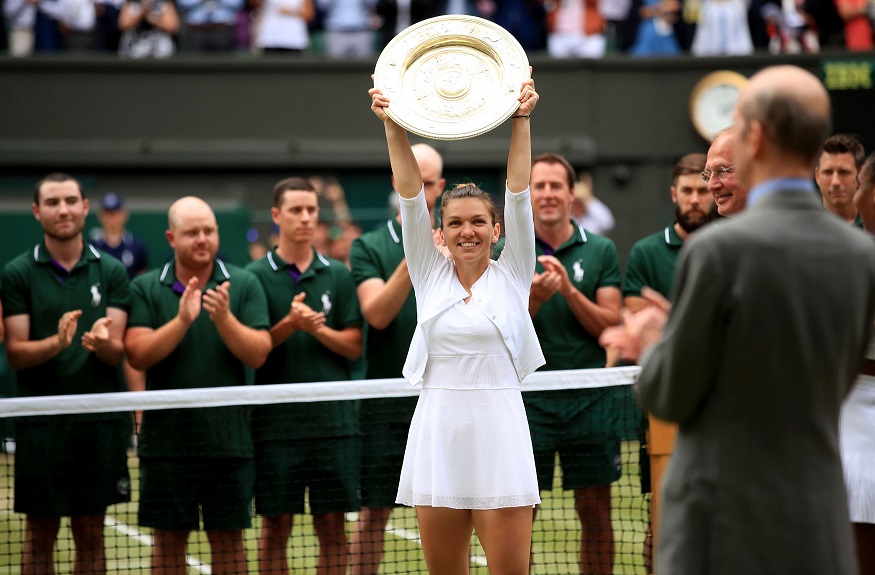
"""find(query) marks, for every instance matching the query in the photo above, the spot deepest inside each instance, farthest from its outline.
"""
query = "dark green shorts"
(175, 491)
(327, 469)
(383, 446)
(581, 426)
(68, 469)
(583, 465)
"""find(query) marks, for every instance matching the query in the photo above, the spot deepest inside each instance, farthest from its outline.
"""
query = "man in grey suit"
(772, 313)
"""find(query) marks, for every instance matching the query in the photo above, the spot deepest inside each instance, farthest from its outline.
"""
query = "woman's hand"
(379, 103)
(528, 98)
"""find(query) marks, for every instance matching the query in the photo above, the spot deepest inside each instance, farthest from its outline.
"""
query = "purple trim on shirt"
(63, 273)
(545, 247)
(177, 287)
(295, 273)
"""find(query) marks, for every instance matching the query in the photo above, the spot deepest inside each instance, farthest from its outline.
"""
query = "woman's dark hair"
(467, 191)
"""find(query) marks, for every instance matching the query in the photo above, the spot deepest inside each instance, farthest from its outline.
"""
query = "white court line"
(146, 540)
(411, 536)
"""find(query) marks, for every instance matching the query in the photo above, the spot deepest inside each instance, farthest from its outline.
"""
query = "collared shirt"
(780, 185)
(504, 299)
(302, 358)
(592, 263)
(652, 262)
(202, 359)
(33, 286)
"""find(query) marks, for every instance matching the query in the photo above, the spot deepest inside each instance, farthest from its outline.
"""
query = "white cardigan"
(505, 298)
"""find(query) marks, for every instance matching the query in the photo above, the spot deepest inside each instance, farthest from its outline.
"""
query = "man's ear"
(756, 138)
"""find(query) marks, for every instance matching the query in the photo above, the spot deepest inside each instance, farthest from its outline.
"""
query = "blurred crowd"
(361, 28)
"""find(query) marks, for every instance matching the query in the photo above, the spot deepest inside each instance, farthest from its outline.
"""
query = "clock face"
(713, 100)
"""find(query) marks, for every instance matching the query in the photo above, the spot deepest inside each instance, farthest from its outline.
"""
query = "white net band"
(287, 393)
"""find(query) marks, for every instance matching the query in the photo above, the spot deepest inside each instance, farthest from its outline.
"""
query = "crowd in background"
(361, 28)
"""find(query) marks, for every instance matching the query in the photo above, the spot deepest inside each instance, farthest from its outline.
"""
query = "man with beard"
(652, 259)
(574, 296)
(196, 322)
(66, 307)
(730, 196)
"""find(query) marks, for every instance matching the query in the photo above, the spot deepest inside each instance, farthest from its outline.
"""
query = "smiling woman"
(468, 463)
(469, 228)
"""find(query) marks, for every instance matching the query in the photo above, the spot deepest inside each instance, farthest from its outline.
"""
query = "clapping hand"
(67, 326)
(98, 337)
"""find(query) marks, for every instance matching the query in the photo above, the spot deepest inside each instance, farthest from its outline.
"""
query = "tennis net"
(382, 405)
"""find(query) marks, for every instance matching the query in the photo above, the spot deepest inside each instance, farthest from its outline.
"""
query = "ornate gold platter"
(452, 77)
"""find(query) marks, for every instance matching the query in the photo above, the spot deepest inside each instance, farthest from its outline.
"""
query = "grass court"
(556, 534)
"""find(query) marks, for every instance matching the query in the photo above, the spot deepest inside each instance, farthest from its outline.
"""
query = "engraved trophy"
(452, 77)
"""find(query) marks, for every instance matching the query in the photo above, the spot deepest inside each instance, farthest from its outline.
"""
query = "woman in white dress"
(468, 463)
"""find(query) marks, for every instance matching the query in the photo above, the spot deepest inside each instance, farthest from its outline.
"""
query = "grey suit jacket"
(772, 313)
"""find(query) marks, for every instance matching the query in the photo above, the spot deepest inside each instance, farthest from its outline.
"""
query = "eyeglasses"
(719, 171)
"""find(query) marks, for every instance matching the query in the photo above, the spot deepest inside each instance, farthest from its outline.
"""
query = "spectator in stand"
(20, 18)
(526, 20)
(147, 29)
(723, 29)
(656, 30)
(209, 24)
(823, 16)
(106, 29)
(619, 29)
(397, 15)
(281, 27)
(575, 29)
(347, 26)
(858, 29)
(47, 35)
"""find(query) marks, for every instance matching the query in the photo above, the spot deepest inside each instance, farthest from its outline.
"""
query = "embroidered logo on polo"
(326, 303)
(96, 298)
(578, 271)
(123, 486)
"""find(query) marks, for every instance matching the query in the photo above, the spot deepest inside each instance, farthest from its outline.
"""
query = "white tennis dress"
(857, 441)
(469, 445)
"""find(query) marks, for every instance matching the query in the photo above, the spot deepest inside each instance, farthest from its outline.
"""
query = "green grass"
(555, 539)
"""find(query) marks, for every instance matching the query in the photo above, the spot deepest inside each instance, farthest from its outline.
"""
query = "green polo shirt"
(34, 285)
(592, 263)
(377, 254)
(652, 263)
(858, 221)
(200, 360)
(302, 358)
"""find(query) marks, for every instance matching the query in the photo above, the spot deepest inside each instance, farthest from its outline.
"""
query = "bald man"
(720, 174)
(771, 317)
(196, 322)
(386, 296)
